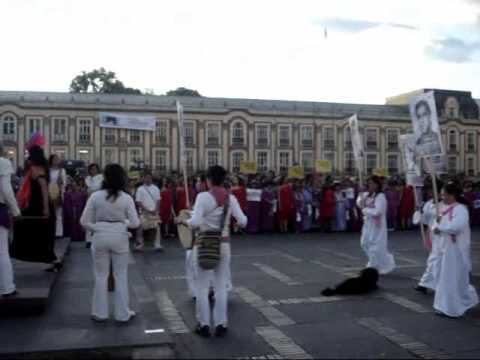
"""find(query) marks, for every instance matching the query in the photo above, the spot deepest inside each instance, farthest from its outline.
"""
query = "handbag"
(209, 242)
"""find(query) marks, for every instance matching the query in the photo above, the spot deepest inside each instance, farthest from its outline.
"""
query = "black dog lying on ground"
(363, 284)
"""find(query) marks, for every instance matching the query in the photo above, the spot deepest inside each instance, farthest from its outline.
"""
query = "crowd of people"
(113, 214)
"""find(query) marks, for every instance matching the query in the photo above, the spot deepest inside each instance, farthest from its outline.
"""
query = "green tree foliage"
(182, 91)
(100, 81)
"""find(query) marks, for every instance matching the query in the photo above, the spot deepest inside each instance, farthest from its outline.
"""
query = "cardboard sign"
(295, 172)
(134, 174)
(248, 167)
(323, 166)
(382, 172)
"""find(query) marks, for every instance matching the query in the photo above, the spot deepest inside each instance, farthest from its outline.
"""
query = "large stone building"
(275, 134)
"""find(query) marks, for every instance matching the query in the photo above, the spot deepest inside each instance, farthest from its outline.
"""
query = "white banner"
(423, 112)
(127, 121)
(181, 131)
(357, 143)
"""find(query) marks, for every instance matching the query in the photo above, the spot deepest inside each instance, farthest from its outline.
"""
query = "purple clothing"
(267, 216)
(299, 210)
(476, 211)
(393, 203)
(308, 210)
(254, 197)
(73, 205)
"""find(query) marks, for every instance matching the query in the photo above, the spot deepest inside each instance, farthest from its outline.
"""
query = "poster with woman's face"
(412, 168)
(423, 112)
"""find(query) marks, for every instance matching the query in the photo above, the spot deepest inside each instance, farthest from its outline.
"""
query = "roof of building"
(202, 104)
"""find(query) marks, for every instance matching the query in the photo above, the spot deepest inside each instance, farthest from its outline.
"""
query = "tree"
(182, 91)
(100, 81)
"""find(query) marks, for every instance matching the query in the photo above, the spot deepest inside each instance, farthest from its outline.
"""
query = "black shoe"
(203, 331)
(421, 289)
(221, 331)
(57, 267)
(13, 293)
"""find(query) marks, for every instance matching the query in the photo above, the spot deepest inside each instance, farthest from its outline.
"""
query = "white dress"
(55, 174)
(374, 238)
(454, 295)
(434, 261)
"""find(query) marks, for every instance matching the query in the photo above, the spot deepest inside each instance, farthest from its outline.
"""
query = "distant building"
(275, 134)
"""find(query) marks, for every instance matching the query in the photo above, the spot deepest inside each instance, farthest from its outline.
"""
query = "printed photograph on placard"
(428, 140)
(409, 152)
(357, 143)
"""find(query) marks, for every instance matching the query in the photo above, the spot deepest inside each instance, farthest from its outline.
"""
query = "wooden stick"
(417, 204)
(433, 175)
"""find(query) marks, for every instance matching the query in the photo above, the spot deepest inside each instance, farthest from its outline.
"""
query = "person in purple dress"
(476, 205)
(74, 203)
(267, 208)
(308, 214)
(254, 197)
(299, 205)
(393, 203)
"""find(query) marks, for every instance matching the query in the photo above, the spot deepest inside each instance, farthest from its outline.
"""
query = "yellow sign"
(248, 167)
(323, 166)
(295, 172)
(134, 174)
(382, 172)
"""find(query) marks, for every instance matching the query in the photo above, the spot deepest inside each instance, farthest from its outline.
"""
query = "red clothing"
(407, 203)
(240, 192)
(286, 202)
(181, 200)
(327, 205)
(166, 205)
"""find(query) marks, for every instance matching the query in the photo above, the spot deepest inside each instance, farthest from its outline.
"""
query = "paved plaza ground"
(276, 310)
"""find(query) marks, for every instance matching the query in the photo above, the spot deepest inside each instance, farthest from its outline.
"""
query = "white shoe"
(131, 314)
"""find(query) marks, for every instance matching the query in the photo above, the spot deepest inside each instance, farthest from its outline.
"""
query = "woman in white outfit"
(94, 182)
(207, 215)
(58, 182)
(453, 294)
(108, 214)
(374, 238)
(8, 204)
(426, 217)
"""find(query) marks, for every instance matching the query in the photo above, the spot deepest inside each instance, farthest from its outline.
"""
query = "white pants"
(59, 222)
(202, 286)
(111, 247)
(189, 272)
(6, 271)
(158, 237)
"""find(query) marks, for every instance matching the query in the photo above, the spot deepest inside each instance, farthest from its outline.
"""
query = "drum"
(184, 232)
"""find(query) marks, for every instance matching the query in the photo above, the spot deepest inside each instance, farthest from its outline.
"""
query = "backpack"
(209, 242)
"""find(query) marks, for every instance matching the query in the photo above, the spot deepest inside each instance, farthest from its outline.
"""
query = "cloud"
(452, 49)
(356, 26)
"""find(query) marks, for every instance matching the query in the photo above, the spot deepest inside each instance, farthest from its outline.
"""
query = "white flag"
(357, 143)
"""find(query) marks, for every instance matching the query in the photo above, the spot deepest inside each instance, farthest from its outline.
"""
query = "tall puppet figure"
(374, 239)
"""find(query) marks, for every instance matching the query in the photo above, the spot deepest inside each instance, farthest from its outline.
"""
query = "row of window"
(213, 134)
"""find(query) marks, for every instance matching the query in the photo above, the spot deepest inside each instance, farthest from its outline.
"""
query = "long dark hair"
(114, 180)
(451, 188)
(36, 157)
(378, 181)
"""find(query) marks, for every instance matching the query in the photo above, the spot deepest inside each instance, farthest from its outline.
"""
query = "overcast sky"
(341, 51)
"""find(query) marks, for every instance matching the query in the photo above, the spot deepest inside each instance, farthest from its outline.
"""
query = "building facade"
(275, 134)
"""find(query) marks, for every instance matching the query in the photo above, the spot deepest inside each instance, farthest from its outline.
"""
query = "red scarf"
(23, 195)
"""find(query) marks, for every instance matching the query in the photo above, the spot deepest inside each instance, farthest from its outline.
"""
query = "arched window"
(9, 127)
(237, 157)
(238, 133)
(452, 140)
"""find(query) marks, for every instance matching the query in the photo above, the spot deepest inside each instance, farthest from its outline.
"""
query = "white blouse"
(94, 183)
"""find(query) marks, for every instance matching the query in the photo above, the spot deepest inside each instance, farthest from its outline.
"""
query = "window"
(213, 158)
(160, 160)
(59, 130)
(307, 161)
(452, 165)
(161, 132)
(109, 156)
(9, 127)
(262, 135)
(371, 163)
(392, 139)
(189, 134)
(34, 125)
(392, 164)
(283, 161)
(237, 157)
(471, 166)
(284, 135)
(109, 136)
(349, 164)
(135, 137)
(85, 131)
(213, 134)
(371, 141)
(238, 134)
(134, 158)
(306, 136)
(347, 137)
(190, 161)
(452, 140)
(329, 138)
(330, 156)
(471, 142)
(262, 161)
